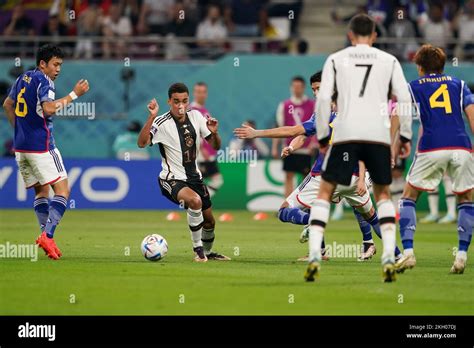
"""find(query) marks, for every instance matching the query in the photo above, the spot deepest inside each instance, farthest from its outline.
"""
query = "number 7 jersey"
(33, 129)
(439, 102)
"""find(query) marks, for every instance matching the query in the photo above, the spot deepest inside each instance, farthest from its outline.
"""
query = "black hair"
(177, 88)
(47, 52)
(299, 79)
(201, 83)
(316, 77)
(362, 25)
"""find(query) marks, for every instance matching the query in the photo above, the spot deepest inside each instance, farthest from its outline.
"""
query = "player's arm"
(214, 138)
(247, 132)
(323, 107)
(53, 106)
(361, 186)
(9, 106)
(296, 143)
(469, 110)
(144, 138)
(468, 104)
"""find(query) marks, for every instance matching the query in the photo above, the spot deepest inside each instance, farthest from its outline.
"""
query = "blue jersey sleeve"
(468, 97)
(12, 92)
(46, 91)
(310, 126)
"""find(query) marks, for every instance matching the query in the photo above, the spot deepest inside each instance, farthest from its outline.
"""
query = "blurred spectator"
(245, 17)
(255, 144)
(114, 27)
(465, 24)
(210, 30)
(437, 30)
(54, 29)
(380, 11)
(401, 28)
(302, 47)
(282, 8)
(125, 144)
(131, 10)
(88, 24)
(417, 13)
(19, 25)
(154, 16)
(180, 26)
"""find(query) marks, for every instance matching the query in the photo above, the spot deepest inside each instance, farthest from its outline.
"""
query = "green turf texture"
(264, 279)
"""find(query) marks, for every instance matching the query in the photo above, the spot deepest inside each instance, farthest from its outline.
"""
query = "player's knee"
(194, 202)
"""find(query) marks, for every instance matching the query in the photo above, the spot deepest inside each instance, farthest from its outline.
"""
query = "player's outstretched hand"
(81, 87)
(212, 124)
(405, 149)
(361, 188)
(153, 107)
(245, 132)
(286, 151)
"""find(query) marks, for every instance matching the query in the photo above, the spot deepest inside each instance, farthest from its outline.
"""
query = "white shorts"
(44, 168)
(428, 168)
(305, 194)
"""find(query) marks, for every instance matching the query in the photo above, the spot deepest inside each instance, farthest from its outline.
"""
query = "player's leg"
(41, 204)
(192, 201)
(461, 170)
(289, 178)
(433, 204)
(338, 212)
(208, 236)
(450, 201)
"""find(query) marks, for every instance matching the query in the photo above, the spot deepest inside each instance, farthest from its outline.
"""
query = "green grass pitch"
(96, 277)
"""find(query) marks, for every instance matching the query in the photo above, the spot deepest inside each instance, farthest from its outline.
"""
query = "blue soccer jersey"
(310, 130)
(33, 130)
(440, 100)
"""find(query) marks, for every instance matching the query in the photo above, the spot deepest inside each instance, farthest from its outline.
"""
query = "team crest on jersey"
(189, 141)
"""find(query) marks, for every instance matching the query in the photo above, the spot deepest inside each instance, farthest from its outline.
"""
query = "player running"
(363, 78)
(29, 107)
(178, 133)
(295, 208)
(444, 146)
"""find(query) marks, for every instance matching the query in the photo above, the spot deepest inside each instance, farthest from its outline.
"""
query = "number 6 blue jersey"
(440, 100)
(33, 129)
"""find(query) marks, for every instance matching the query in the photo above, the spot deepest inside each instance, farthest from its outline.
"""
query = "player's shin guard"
(319, 217)
(56, 211)
(465, 225)
(388, 230)
(407, 224)
(364, 227)
(195, 221)
(41, 206)
(293, 215)
(207, 239)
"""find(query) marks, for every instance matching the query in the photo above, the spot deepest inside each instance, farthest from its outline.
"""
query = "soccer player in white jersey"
(30, 107)
(364, 78)
(178, 133)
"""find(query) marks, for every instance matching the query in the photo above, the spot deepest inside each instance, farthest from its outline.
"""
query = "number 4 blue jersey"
(440, 100)
(33, 130)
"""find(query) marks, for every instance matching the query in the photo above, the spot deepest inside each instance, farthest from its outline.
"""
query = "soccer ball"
(154, 247)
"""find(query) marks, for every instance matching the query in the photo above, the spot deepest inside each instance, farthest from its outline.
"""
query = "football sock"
(450, 197)
(195, 221)
(433, 198)
(56, 211)
(319, 217)
(293, 215)
(388, 229)
(207, 239)
(41, 206)
(364, 227)
(465, 225)
(407, 222)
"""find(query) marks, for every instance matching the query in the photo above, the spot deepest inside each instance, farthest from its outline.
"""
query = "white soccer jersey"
(363, 77)
(179, 144)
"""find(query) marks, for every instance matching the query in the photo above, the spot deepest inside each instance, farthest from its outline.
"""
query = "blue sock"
(407, 222)
(374, 222)
(56, 211)
(465, 225)
(41, 206)
(364, 226)
(293, 215)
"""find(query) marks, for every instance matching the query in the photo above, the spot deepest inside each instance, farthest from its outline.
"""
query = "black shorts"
(208, 168)
(297, 164)
(342, 158)
(170, 189)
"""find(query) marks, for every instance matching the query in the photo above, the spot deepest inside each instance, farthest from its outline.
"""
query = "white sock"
(195, 220)
(208, 239)
(386, 211)
(433, 198)
(319, 214)
(461, 255)
(450, 198)
(408, 252)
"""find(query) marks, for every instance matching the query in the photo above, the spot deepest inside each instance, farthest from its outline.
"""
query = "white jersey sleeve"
(202, 122)
(404, 109)
(323, 106)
